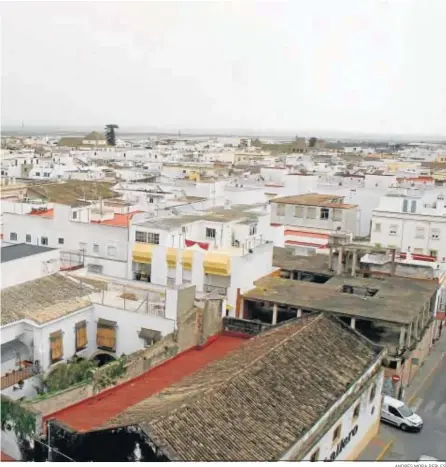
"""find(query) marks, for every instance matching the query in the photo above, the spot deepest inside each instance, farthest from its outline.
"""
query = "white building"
(223, 250)
(309, 219)
(48, 320)
(100, 239)
(412, 221)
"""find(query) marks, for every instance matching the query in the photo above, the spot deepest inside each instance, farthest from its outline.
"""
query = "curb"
(426, 378)
(385, 450)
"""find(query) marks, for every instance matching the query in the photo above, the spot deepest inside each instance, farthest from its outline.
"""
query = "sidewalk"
(381, 444)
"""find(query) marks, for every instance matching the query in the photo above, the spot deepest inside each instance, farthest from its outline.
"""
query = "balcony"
(19, 376)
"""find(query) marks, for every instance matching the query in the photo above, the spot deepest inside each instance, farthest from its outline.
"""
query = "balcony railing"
(18, 375)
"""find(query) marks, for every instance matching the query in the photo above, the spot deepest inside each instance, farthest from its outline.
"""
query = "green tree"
(110, 134)
(312, 142)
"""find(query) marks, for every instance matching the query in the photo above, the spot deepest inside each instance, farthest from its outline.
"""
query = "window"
(81, 335)
(106, 335)
(393, 230)
(82, 246)
(337, 433)
(315, 456)
(337, 214)
(153, 238)
(74, 214)
(311, 213)
(434, 253)
(141, 237)
(111, 250)
(435, 234)
(95, 248)
(372, 393)
(405, 205)
(56, 346)
(44, 240)
(377, 227)
(150, 200)
(413, 206)
(394, 412)
(28, 238)
(149, 336)
(147, 237)
(37, 174)
(419, 232)
(210, 233)
(280, 209)
(325, 213)
(61, 241)
(356, 411)
(253, 229)
(299, 211)
(13, 236)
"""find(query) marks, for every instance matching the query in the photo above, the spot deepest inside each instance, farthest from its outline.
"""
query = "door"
(395, 416)
(385, 415)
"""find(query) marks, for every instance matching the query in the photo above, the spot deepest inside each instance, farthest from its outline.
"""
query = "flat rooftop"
(397, 300)
(21, 250)
(315, 199)
(95, 411)
(285, 258)
(241, 212)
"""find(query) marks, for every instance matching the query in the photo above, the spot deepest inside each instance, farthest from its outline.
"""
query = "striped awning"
(217, 264)
(171, 258)
(142, 253)
(187, 259)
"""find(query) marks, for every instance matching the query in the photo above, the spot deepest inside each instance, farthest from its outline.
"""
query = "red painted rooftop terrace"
(94, 411)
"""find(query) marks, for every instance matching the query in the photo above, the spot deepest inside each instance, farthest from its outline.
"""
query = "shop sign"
(342, 444)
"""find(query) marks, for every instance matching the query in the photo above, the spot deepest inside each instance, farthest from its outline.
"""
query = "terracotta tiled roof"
(43, 299)
(119, 220)
(93, 412)
(260, 399)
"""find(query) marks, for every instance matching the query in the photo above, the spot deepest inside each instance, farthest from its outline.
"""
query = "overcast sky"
(351, 65)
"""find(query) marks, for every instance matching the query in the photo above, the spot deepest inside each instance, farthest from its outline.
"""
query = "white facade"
(412, 223)
(104, 247)
(29, 268)
(353, 430)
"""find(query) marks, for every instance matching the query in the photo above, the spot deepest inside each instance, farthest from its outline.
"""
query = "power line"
(54, 450)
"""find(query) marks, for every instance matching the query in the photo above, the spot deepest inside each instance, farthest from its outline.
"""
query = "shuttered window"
(56, 346)
(81, 335)
(106, 335)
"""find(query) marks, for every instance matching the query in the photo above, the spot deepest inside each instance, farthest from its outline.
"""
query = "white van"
(397, 413)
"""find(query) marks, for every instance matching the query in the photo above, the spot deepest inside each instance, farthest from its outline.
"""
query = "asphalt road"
(430, 404)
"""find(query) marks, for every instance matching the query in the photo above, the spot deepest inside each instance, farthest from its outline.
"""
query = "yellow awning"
(171, 258)
(218, 265)
(142, 253)
(187, 259)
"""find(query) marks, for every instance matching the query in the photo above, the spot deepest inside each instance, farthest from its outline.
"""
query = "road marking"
(416, 404)
(411, 399)
(429, 406)
(385, 449)
(441, 413)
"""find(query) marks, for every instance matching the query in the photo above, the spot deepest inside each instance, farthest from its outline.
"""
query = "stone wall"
(60, 400)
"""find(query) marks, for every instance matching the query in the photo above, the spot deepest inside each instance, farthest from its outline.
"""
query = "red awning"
(202, 245)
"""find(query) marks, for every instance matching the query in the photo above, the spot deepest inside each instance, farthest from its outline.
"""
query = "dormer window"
(252, 229)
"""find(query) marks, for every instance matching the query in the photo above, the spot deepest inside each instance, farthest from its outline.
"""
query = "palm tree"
(110, 134)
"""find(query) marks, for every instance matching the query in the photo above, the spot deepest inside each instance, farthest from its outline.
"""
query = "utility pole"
(50, 451)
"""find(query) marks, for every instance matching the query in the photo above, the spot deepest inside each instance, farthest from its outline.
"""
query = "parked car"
(397, 413)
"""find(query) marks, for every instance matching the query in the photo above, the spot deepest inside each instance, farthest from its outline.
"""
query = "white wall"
(129, 324)
(365, 421)
(74, 235)
(29, 268)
